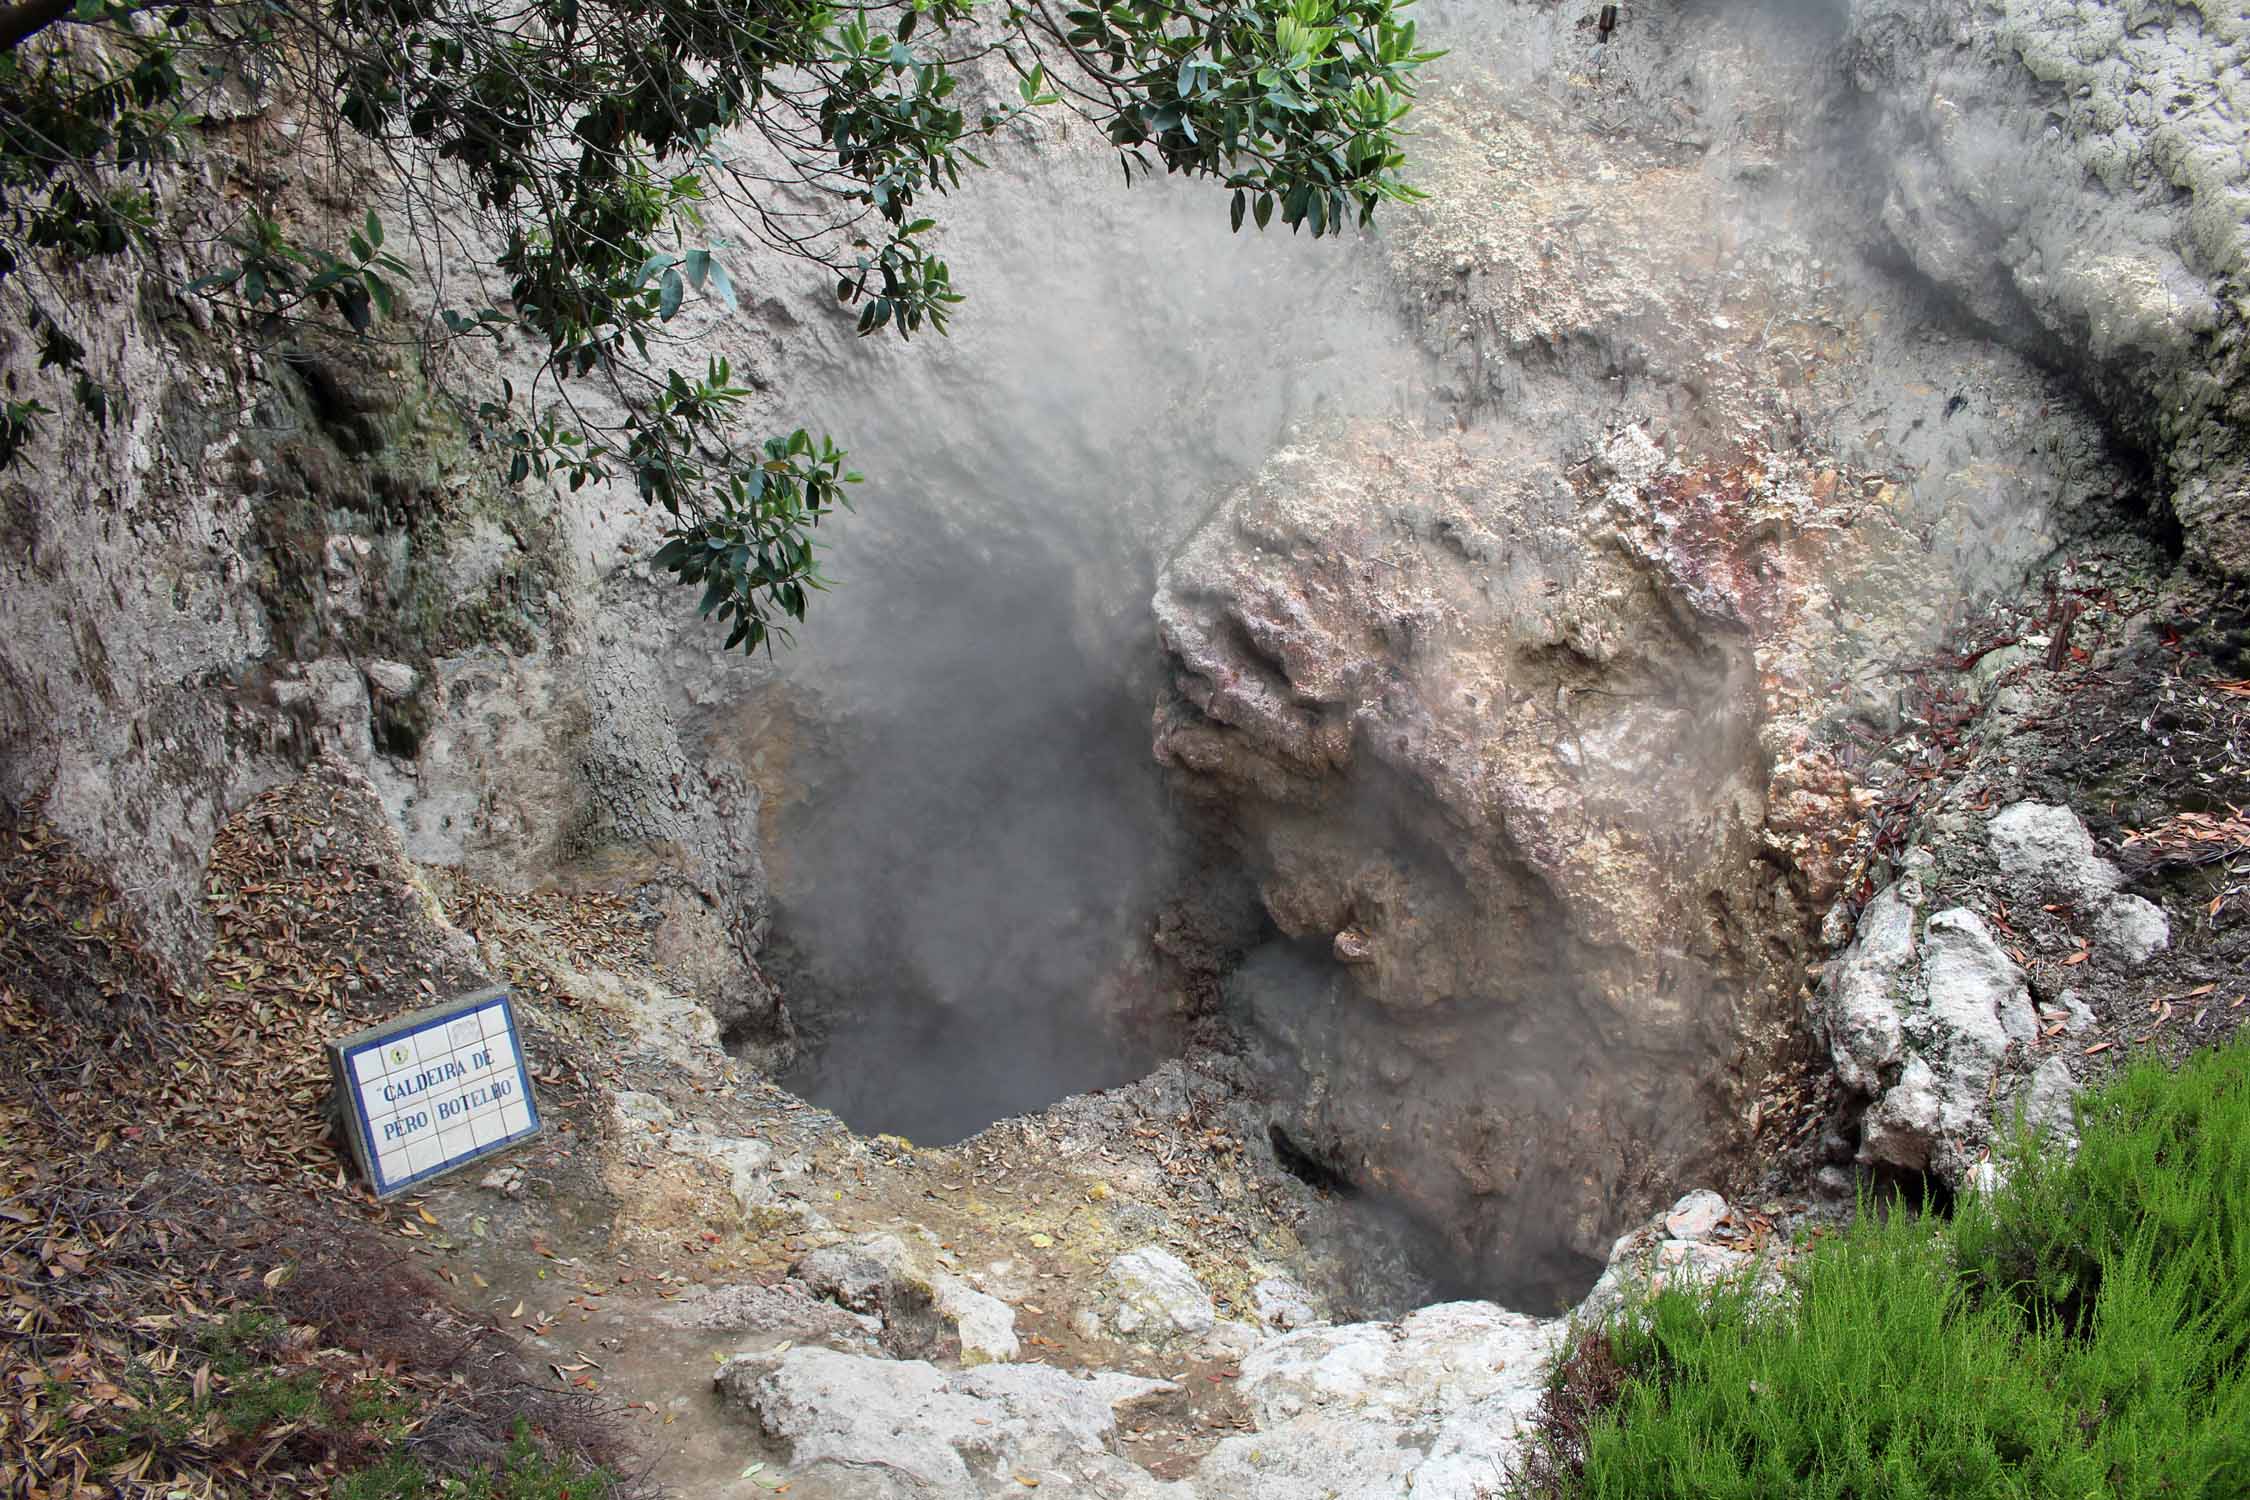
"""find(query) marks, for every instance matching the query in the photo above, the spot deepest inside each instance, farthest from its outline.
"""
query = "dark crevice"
(1923, 1191)
(1307, 1167)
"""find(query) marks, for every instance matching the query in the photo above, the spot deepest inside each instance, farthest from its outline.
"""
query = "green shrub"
(242, 1342)
(2083, 1333)
(253, 1403)
(528, 1473)
(2164, 1155)
(396, 1477)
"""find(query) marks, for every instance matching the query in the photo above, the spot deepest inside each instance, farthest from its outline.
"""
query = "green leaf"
(670, 291)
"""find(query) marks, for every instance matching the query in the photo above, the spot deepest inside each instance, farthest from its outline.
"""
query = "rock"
(477, 557)
(1157, 1295)
(2131, 930)
(1927, 1041)
(787, 1311)
(921, 1311)
(985, 1325)
(343, 561)
(1448, 1353)
(2049, 851)
(860, 1275)
(1859, 996)
(1902, 1128)
(393, 680)
(744, 1161)
(1695, 1215)
(1229, 1340)
(1333, 1457)
(872, 1428)
(1974, 992)
(1648, 1260)
(669, 1024)
(2078, 1016)
(2047, 1103)
(330, 697)
(1685, 1263)
(1433, 1406)
(1282, 1304)
(2118, 265)
(1333, 632)
(535, 762)
(1966, 1006)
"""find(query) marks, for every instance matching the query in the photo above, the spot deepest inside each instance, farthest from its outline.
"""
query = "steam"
(967, 868)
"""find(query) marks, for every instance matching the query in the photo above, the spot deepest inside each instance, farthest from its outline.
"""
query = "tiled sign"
(434, 1090)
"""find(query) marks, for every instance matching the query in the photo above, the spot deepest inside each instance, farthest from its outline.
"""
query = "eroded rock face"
(1440, 722)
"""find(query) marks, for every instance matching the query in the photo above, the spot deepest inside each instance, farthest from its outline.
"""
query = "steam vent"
(1254, 750)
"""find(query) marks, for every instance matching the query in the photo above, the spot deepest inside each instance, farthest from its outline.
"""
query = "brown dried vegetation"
(195, 1301)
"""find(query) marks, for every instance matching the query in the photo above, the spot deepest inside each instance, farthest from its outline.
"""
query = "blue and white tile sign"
(434, 1090)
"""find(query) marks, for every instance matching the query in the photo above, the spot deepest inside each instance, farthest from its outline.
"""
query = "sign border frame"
(359, 1129)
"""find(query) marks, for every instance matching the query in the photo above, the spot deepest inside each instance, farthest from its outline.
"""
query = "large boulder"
(1921, 1029)
(867, 1428)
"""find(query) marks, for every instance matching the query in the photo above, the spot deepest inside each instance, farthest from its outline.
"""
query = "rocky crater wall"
(1533, 732)
(1507, 645)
